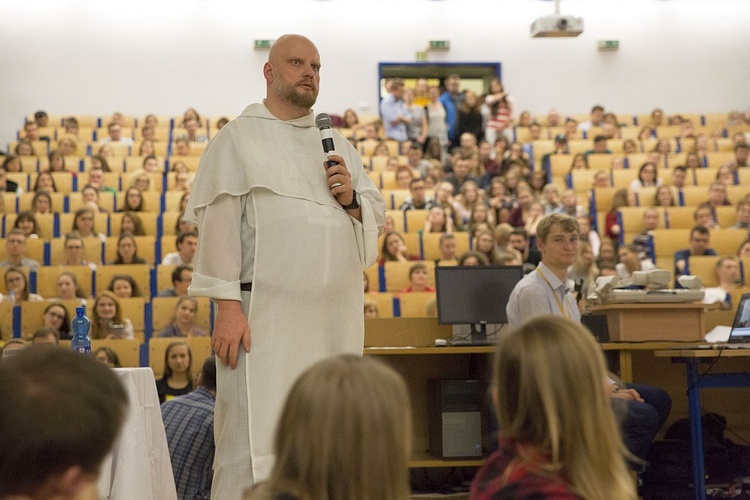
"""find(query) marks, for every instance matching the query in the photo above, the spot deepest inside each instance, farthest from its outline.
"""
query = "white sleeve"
(218, 260)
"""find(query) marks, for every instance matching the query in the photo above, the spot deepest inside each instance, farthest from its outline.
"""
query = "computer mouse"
(441, 342)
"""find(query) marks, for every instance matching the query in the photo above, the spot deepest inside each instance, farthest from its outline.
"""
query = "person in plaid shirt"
(189, 422)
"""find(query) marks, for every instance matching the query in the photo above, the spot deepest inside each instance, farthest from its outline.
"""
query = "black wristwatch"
(354, 204)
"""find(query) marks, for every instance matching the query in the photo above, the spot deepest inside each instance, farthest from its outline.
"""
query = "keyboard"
(670, 295)
(469, 342)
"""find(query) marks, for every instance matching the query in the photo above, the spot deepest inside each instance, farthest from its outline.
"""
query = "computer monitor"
(475, 295)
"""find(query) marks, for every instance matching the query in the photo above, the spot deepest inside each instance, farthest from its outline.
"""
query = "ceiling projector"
(557, 26)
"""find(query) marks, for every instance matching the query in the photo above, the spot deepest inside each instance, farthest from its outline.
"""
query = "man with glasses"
(698, 244)
(417, 200)
(15, 249)
(75, 252)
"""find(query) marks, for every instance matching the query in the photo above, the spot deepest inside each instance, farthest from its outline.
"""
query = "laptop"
(739, 336)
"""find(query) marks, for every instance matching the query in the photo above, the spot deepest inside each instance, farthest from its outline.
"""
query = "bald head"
(292, 76)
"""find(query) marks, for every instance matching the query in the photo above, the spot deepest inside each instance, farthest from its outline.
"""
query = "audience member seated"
(131, 223)
(418, 279)
(370, 309)
(631, 261)
(41, 203)
(178, 372)
(588, 234)
(115, 135)
(447, 247)
(8, 185)
(741, 156)
(17, 286)
(189, 424)
(45, 182)
(127, 251)
(106, 318)
(183, 323)
(318, 457)
(558, 434)
(647, 177)
(74, 252)
(12, 164)
(743, 214)
(473, 259)
(643, 240)
(417, 199)
(15, 251)
(46, 336)
(68, 288)
(182, 276)
(91, 199)
(612, 229)
(96, 179)
(133, 200)
(56, 317)
(519, 240)
(698, 244)
(704, 216)
(665, 196)
(60, 416)
(717, 195)
(124, 286)
(518, 215)
(583, 272)
(728, 273)
(84, 224)
(484, 243)
(187, 244)
(108, 356)
(26, 222)
(394, 249)
(438, 221)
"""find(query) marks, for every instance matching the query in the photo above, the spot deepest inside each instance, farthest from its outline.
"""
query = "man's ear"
(268, 72)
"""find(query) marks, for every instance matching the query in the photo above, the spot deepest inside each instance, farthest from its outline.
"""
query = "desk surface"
(702, 353)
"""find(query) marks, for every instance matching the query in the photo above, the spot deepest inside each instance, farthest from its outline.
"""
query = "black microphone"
(323, 122)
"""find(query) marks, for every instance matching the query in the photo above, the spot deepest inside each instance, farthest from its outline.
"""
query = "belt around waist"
(246, 287)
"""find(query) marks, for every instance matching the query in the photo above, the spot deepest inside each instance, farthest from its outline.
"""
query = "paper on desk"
(720, 333)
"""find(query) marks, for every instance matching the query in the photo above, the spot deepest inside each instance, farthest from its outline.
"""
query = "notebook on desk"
(739, 337)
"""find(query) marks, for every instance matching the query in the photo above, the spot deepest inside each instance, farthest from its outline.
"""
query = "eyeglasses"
(73, 247)
(55, 315)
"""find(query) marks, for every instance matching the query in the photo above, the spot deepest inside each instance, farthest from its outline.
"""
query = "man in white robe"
(274, 220)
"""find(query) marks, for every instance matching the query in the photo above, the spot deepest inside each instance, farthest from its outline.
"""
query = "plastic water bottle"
(81, 325)
(12, 297)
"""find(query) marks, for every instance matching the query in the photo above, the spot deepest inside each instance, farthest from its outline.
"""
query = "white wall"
(161, 56)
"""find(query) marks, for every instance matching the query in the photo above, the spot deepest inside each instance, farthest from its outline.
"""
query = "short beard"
(289, 94)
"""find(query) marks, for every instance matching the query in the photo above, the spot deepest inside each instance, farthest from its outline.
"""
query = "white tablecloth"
(139, 467)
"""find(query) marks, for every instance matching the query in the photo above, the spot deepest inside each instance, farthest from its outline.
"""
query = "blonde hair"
(344, 432)
(551, 401)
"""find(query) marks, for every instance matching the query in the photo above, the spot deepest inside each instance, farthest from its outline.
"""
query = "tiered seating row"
(148, 317)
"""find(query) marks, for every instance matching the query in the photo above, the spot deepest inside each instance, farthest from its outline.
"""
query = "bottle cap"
(80, 310)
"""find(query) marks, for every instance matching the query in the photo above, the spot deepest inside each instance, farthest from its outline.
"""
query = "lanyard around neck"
(564, 307)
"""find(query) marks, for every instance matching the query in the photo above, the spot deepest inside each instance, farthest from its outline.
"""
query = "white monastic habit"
(266, 216)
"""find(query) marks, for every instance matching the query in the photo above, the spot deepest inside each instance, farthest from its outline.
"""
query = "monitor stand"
(478, 336)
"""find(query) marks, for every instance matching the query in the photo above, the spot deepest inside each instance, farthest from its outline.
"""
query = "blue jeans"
(642, 421)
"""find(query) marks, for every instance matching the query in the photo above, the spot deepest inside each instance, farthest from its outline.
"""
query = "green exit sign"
(439, 45)
(263, 44)
(608, 44)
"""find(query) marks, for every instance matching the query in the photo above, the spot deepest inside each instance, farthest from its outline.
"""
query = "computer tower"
(455, 421)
